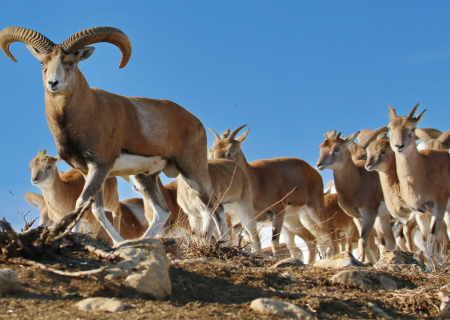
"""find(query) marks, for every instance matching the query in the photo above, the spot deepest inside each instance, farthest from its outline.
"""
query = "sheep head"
(60, 62)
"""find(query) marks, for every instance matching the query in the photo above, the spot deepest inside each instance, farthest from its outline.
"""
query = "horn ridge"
(424, 135)
(27, 36)
(89, 36)
(370, 136)
(445, 138)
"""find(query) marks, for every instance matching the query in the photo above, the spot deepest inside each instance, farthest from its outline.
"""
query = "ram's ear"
(84, 53)
(243, 136)
(34, 52)
(57, 159)
(350, 140)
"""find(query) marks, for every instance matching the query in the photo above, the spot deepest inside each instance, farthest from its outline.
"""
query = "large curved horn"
(89, 36)
(215, 134)
(426, 134)
(368, 136)
(27, 36)
(444, 138)
(235, 132)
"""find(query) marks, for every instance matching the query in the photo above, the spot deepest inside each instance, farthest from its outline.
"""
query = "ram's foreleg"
(93, 186)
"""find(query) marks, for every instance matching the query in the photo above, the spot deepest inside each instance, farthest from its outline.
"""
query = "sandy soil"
(220, 285)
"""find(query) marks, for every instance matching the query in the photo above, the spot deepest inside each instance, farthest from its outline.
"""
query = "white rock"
(144, 267)
(9, 281)
(100, 304)
(344, 259)
(280, 309)
(369, 280)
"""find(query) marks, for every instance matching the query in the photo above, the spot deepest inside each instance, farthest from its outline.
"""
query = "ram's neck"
(61, 107)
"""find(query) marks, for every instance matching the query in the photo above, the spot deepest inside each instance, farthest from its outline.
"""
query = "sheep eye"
(337, 149)
(48, 168)
(383, 152)
(232, 151)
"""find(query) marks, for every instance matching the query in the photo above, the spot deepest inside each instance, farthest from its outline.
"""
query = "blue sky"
(288, 69)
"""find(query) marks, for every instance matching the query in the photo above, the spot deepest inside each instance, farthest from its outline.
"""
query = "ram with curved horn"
(359, 192)
(287, 187)
(423, 175)
(103, 134)
(433, 138)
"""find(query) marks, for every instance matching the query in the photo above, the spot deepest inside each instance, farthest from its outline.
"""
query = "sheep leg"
(408, 231)
(93, 186)
(246, 216)
(277, 224)
(437, 220)
(368, 220)
(148, 186)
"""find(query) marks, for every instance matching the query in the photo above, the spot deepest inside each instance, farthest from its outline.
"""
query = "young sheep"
(36, 200)
(359, 191)
(61, 191)
(283, 186)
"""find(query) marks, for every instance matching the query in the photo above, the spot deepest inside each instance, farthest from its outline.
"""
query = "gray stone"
(9, 281)
(289, 262)
(401, 258)
(280, 309)
(100, 304)
(144, 266)
(366, 279)
(344, 259)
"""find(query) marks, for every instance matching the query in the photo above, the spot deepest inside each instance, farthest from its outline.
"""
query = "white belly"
(128, 164)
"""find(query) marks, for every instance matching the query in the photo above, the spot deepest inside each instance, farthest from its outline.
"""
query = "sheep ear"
(43, 152)
(392, 113)
(57, 159)
(351, 138)
(330, 134)
(243, 136)
(420, 116)
(34, 52)
(225, 133)
(84, 53)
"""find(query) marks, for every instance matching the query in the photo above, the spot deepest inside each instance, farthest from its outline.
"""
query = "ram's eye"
(48, 168)
(232, 151)
(337, 149)
(383, 152)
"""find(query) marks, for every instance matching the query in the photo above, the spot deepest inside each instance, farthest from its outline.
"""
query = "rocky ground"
(208, 283)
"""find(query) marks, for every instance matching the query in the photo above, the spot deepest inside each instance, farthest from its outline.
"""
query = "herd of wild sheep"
(217, 194)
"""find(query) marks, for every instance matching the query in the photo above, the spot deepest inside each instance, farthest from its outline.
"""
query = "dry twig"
(60, 272)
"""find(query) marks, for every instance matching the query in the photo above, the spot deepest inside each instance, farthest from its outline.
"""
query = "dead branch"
(90, 248)
(52, 270)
